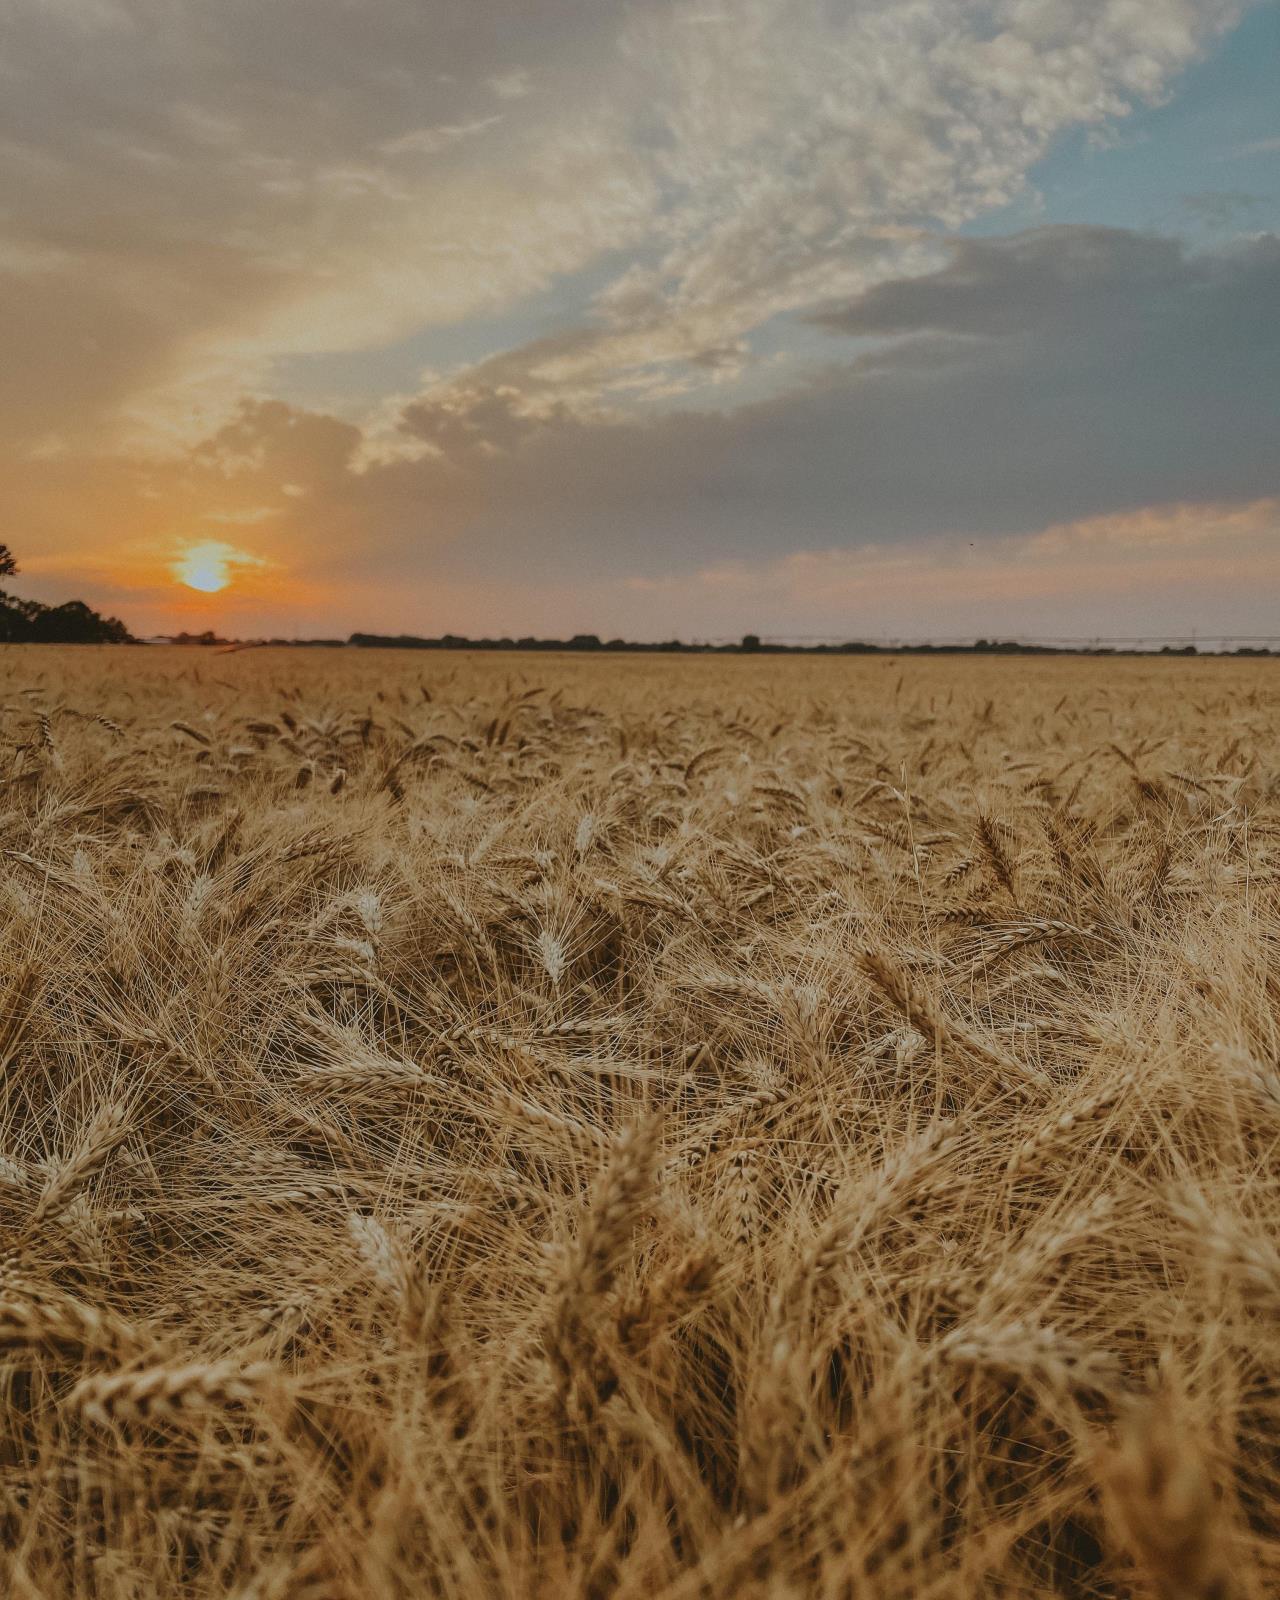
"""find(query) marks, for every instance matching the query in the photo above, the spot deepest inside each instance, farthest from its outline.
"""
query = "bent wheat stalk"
(167, 1393)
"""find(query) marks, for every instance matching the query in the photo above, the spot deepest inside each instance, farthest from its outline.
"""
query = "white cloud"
(430, 141)
(1259, 147)
(792, 152)
(804, 153)
(512, 85)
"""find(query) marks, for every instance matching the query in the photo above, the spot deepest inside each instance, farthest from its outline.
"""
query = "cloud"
(430, 141)
(1223, 208)
(687, 187)
(1171, 530)
(1048, 377)
(1031, 283)
(1159, 570)
(512, 85)
(209, 222)
(1258, 147)
(804, 153)
(1074, 411)
(175, 190)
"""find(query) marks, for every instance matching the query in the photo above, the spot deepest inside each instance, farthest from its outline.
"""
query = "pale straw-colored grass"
(680, 1129)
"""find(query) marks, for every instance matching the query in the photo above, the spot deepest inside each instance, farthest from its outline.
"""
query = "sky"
(650, 318)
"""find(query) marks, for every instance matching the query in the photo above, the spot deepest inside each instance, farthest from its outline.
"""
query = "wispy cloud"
(1256, 147)
(513, 85)
(650, 203)
(430, 141)
(752, 168)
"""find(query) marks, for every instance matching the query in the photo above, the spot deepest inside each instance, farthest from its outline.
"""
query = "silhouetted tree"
(75, 623)
(28, 621)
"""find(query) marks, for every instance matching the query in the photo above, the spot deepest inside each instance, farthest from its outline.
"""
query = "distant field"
(678, 1128)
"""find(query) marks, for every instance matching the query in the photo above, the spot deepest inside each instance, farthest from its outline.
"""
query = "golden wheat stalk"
(1160, 1496)
(155, 1395)
(109, 1129)
(33, 1317)
(945, 1033)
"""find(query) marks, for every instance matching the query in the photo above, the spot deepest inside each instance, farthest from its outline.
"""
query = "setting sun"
(206, 567)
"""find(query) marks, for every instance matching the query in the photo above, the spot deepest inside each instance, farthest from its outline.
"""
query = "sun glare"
(206, 567)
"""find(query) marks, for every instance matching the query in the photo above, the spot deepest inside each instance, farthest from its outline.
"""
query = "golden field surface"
(666, 1127)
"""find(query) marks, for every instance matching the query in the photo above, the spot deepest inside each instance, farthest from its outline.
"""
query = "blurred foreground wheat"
(516, 1126)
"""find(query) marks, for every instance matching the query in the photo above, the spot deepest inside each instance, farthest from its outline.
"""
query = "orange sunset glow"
(644, 319)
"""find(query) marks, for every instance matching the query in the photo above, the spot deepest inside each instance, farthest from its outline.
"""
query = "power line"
(1085, 641)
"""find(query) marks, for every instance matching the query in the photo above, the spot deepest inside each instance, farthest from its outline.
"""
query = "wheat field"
(664, 1127)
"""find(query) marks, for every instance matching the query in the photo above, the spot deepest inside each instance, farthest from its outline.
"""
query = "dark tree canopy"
(30, 622)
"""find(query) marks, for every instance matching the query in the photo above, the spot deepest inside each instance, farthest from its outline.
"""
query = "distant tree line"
(751, 644)
(30, 622)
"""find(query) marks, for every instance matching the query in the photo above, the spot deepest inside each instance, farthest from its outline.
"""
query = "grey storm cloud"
(1048, 376)
(1028, 283)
